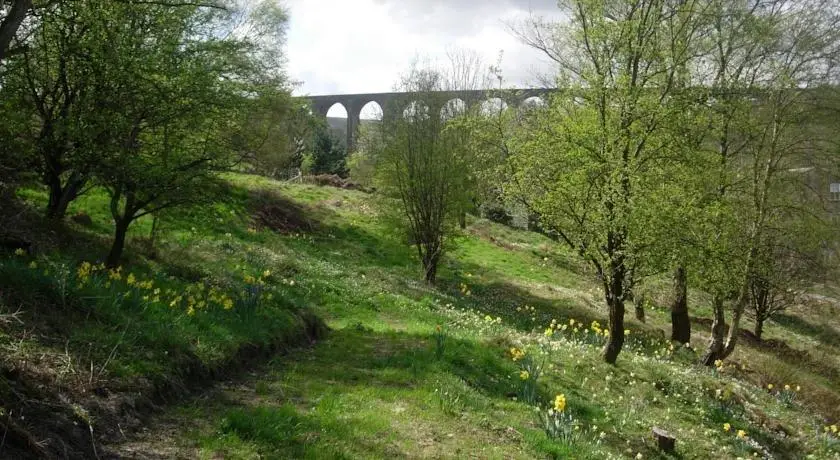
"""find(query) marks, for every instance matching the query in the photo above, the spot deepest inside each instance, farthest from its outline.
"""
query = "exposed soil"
(332, 180)
(277, 213)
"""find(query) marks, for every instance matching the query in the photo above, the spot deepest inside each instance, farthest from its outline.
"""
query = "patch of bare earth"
(271, 210)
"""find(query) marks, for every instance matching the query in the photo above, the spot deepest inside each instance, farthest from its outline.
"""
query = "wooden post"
(665, 441)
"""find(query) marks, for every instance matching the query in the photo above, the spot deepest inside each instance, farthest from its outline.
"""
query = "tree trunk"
(639, 304)
(735, 327)
(153, 232)
(680, 322)
(462, 219)
(61, 196)
(10, 24)
(616, 339)
(715, 349)
(430, 264)
(759, 327)
(120, 231)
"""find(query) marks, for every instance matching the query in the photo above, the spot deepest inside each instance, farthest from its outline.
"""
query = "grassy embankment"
(385, 382)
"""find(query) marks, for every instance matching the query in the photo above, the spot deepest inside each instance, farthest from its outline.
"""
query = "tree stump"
(665, 441)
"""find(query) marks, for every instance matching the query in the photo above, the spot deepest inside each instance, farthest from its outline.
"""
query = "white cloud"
(362, 46)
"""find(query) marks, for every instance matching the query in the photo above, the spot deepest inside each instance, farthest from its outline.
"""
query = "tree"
(181, 92)
(54, 80)
(277, 132)
(328, 155)
(768, 60)
(418, 165)
(591, 162)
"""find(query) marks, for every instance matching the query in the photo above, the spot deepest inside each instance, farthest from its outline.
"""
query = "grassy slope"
(375, 387)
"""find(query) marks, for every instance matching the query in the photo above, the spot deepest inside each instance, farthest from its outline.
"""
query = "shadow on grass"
(373, 369)
(359, 356)
(822, 332)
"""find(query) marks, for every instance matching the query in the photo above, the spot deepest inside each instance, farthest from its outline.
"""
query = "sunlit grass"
(415, 371)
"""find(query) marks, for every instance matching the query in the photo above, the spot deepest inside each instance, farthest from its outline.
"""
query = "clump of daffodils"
(787, 395)
(191, 298)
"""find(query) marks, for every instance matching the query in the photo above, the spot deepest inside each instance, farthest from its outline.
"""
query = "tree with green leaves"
(55, 80)
(182, 93)
(766, 63)
(276, 133)
(146, 99)
(328, 155)
(591, 165)
(418, 165)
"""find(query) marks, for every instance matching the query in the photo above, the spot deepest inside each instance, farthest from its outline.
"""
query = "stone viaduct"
(390, 102)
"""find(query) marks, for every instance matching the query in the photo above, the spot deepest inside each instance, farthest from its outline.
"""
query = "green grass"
(378, 386)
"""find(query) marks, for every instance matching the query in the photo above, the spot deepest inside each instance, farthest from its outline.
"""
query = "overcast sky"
(362, 46)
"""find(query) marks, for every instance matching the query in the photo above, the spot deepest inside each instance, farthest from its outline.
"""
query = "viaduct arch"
(354, 103)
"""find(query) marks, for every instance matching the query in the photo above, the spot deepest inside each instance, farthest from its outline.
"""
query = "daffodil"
(20, 252)
(560, 402)
(516, 354)
(834, 429)
(769, 386)
(524, 375)
(741, 434)
(727, 427)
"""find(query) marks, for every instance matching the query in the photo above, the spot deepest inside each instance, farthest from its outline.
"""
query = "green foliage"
(418, 160)
(377, 370)
(147, 100)
(276, 133)
(592, 163)
(440, 341)
(328, 155)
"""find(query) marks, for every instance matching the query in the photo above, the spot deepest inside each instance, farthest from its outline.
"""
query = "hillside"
(288, 322)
